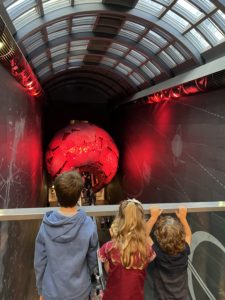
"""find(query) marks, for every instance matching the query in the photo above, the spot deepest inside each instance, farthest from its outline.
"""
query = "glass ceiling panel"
(151, 7)
(116, 52)
(188, 10)
(153, 68)
(77, 58)
(82, 28)
(59, 50)
(32, 39)
(181, 15)
(43, 71)
(209, 29)
(133, 60)
(175, 54)
(122, 66)
(77, 66)
(197, 40)
(19, 7)
(8, 2)
(205, 5)
(137, 79)
(183, 51)
(59, 63)
(84, 20)
(87, 1)
(52, 5)
(165, 2)
(150, 45)
(57, 26)
(26, 18)
(122, 70)
(79, 45)
(167, 59)
(147, 71)
(57, 34)
(129, 34)
(38, 60)
(219, 18)
(119, 47)
(108, 61)
(176, 21)
(138, 56)
(156, 38)
(34, 45)
(134, 27)
(56, 53)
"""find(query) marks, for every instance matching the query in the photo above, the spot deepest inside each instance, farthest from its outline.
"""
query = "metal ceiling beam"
(108, 83)
(128, 3)
(102, 55)
(207, 69)
(37, 213)
(119, 81)
(88, 9)
(220, 4)
(92, 36)
(6, 19)
(90, 83)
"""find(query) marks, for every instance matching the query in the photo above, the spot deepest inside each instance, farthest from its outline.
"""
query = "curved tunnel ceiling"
(119, 49)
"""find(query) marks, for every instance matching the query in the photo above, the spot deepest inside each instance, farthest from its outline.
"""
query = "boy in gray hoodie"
(66, 245)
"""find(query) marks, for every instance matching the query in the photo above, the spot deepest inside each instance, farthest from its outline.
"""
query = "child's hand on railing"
(155, 212)
(182, 213)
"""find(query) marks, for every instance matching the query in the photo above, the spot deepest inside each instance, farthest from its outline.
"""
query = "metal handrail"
(37, 213)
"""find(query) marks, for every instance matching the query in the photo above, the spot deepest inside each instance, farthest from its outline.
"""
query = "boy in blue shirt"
(66, 245)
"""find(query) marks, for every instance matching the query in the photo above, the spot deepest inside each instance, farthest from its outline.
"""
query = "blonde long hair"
(129, 233)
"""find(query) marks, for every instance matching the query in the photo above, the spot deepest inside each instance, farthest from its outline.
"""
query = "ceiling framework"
(119, 48)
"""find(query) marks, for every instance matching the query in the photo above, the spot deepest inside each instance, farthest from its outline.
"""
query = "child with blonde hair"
(128, 253)
(172, 238)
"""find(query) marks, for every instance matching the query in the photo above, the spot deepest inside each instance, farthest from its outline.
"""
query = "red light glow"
(192, 87)
(25, 76)
(85, 147)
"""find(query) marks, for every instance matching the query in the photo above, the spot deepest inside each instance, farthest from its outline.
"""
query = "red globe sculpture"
(86, 148)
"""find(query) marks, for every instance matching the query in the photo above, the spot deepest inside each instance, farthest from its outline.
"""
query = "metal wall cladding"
(20, 185)
(174, 151)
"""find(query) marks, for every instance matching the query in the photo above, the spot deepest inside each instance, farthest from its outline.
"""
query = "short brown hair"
(170, 235)
(68, 187)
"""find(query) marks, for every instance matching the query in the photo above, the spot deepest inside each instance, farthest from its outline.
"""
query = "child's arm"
(40, 261)
(155, 213)
(106, 267)
(182, 214)
(92, 251)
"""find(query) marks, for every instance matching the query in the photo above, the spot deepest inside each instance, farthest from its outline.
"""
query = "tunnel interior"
(145, 71)
(151, 74)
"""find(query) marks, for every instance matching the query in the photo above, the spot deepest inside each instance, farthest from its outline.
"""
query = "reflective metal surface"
(108, 210)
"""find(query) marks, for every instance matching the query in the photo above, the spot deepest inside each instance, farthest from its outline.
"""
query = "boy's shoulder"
(88, 221)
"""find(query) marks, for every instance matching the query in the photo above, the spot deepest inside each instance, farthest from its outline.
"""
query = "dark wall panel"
(175, 152)
(21, 145)
(21, 185)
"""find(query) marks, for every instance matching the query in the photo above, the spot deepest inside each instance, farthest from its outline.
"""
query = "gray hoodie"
(65, 255)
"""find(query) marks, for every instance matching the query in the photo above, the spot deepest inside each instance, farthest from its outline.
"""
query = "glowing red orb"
(86, 148)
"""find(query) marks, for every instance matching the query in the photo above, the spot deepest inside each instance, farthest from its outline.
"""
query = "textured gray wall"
(175, 152)
(21, 184)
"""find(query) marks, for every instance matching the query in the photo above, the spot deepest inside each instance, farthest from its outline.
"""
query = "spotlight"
(1, 45)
